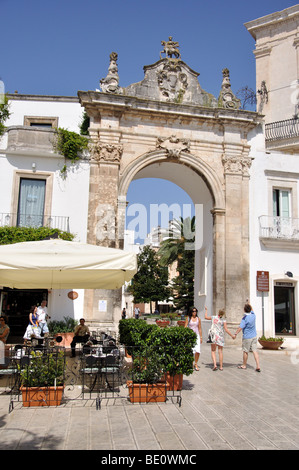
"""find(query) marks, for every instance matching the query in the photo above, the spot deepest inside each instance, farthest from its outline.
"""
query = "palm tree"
(179, 247)
(181, 236)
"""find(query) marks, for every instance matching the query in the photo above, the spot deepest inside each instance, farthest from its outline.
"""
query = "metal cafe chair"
(89, 372)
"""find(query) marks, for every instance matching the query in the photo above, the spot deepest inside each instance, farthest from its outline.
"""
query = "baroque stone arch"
(209, 284)
(195, 163)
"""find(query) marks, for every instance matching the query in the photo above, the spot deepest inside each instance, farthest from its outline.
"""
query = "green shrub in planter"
(44, 370)
(134, 334)
(174, 347)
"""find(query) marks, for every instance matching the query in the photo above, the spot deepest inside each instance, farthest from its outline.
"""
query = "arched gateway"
(168, 126)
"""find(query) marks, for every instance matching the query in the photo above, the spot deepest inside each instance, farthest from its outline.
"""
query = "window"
(281, 203)
(31, 195)
(31, 202)
(41, 121)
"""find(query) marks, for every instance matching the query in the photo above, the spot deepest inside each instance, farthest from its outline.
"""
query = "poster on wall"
(102, 305)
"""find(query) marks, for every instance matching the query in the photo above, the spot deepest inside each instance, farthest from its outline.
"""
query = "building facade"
(274, 218)
(242, 180)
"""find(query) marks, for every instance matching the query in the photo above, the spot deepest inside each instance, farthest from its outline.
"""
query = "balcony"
(35, 221)
(30, 140)
(283, 135)
(279, 232)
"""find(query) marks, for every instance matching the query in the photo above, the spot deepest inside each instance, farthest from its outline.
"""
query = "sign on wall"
(262, 281)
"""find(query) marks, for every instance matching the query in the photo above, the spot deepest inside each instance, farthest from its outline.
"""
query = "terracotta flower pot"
(270, 344)
(180, 323)
(67, 338)
(42, 396)
(146, 393)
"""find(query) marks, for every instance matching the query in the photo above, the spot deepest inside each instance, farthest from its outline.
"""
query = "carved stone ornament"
(172, 81)
(107, 153)
(173, 146)
(235, 164)
(171, 48)
(110, 83)
(226, 98)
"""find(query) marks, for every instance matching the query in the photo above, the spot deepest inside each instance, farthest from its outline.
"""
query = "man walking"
(249, 340)
(42, 313)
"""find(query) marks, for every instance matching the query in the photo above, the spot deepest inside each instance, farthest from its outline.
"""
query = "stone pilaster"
(236, 164)
(103, 306)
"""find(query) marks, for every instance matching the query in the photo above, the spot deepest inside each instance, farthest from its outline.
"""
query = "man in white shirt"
(42, 313)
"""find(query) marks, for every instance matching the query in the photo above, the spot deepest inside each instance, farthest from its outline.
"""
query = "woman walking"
(194, 323)
(218, 328)
(33, 329)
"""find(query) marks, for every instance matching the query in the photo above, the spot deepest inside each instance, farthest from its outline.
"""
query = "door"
(284, 310)
(31, 203)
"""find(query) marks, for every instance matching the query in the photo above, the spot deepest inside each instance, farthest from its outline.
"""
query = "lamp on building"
(289, 274)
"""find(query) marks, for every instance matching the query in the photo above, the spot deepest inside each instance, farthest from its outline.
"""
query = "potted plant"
(133, 334)
(163, 321)
(146, 384)
(270, 342)
(64, 328)
(42, 379)
(174, 346)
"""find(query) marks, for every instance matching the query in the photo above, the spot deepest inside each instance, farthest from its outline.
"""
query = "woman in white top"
(218, 327)
(194, 323)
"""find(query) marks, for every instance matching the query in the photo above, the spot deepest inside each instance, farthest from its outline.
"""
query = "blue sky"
(62, 46)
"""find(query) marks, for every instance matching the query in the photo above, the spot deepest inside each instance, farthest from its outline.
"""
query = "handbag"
(211, 335)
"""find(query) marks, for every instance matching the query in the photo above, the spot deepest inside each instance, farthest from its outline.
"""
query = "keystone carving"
(107, 153)
(173, 146)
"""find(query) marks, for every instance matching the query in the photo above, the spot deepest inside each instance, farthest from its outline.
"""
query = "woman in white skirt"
(194, 323)
(32, 330)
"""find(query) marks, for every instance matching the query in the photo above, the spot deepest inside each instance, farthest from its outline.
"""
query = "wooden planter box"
(173, 382)
(42, 396)
(146, 393)
(181, 323)
(270, 344)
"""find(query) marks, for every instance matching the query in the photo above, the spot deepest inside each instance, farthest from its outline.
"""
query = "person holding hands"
(218, 328)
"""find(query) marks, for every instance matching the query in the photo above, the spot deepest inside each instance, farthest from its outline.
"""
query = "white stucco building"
(274, 176)
(31, 182)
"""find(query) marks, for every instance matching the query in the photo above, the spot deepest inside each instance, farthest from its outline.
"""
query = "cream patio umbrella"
(60, 264)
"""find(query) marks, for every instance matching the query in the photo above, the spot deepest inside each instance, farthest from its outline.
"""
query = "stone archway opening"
(150, 209)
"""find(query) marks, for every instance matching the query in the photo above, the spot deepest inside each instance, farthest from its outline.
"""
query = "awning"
(60, 264)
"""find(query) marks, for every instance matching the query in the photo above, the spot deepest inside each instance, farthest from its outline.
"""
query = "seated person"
(4, 329)
(81, 335)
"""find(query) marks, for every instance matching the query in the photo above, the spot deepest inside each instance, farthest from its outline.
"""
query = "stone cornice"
(273, 18)
(97, 103)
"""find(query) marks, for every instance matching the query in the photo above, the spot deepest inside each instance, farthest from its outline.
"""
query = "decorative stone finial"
(171, 48)
(110, 83)
(226, 98)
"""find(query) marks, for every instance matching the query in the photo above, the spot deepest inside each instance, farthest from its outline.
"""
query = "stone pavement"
(231, 409)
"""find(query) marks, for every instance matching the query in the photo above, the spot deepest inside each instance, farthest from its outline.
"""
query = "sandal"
(196, 368)
(258, 370)
(242, 367)
(215, 368)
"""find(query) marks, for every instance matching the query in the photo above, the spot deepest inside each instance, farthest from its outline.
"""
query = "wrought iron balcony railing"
(279, 228)
(278, 130)
(25, 220)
